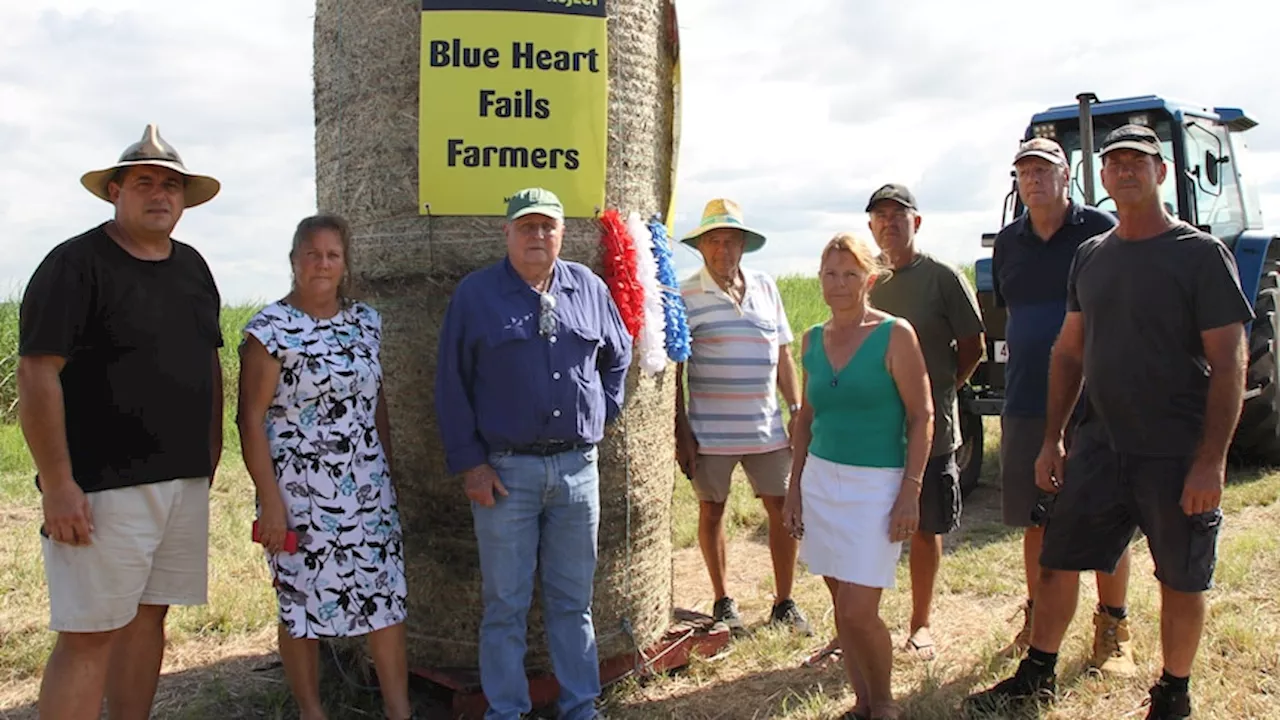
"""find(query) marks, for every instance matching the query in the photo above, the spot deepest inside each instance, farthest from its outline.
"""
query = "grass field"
(221, 662)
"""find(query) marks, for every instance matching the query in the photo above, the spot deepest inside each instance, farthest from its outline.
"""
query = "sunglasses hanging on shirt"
(546, 314)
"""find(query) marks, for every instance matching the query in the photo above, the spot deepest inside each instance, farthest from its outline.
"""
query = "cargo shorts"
(1107, 495)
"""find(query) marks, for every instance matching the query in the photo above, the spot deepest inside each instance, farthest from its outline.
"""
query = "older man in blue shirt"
(533, 356)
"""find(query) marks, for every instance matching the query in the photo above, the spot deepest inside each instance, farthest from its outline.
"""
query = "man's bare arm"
(968, 355)
(215, 422)
(43, 420)
(68, 518)
(1224, 348)
(788, 378)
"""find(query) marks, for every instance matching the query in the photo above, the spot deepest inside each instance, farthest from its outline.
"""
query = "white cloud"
(797, 111)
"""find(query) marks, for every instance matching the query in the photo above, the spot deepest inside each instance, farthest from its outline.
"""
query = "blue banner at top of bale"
(368, 56)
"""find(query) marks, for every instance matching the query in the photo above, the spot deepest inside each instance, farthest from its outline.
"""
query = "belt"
(551, 447)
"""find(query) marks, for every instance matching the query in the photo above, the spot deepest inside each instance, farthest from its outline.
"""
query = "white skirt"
(846, 522)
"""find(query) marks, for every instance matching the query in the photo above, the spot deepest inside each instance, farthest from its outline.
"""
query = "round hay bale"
(406, 265)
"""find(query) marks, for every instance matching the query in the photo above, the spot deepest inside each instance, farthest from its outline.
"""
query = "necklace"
(855, 325)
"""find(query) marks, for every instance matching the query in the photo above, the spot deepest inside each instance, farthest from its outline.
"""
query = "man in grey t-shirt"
(1155, 320)
(939, 303)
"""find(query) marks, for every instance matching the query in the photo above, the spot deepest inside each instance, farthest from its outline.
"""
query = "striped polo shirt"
(733, 370)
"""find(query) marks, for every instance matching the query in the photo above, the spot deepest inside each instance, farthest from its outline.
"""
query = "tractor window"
(1211, 178)
(1242, 160)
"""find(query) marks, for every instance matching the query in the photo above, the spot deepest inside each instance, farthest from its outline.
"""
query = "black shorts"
(1107, 495)
(940, 495)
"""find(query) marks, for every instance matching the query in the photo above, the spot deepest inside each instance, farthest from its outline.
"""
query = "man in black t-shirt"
(120, 397)
(1155, 321)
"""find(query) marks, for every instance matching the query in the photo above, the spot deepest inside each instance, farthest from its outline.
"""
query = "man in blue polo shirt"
(533, 357)
(1030, 264)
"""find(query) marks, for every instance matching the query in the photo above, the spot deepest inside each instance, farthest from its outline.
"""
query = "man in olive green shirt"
(938, 301)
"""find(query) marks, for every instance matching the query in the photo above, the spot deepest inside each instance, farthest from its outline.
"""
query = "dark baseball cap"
(1132, 137)
(535, 200)
(1043, 148)
(895, 192)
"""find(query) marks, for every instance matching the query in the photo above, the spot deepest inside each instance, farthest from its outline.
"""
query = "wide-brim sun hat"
(153, 150)
(724, 213)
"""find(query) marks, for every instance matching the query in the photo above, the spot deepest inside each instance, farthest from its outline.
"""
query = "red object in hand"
(290, 538)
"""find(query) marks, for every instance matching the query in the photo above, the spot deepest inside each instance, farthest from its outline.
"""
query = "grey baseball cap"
(895, 192)
(1132, 137)
(1043, 148)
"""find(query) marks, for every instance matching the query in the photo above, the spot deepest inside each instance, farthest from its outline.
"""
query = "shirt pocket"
(506, 350)
(765, 330)
(581, 347)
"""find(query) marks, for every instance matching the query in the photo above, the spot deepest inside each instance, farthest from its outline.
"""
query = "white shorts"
(150, 547)
(846, 522)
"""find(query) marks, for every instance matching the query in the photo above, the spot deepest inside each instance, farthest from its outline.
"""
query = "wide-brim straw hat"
(724, 213)
(153, 150)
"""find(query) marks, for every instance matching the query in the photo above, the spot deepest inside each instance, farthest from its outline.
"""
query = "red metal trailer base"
(691, 634)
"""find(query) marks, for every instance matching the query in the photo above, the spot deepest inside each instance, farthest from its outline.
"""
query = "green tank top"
(858, 416)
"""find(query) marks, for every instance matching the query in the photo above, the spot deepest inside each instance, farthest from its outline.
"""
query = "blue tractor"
(1209, 186)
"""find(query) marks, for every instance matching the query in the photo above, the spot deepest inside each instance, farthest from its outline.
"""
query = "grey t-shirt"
(941, 306)
(1144, 305)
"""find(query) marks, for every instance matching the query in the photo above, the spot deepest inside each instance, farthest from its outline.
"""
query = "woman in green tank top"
(860, 443)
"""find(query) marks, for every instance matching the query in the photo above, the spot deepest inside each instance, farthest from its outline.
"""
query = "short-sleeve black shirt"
(1144, 304)
(139, 338)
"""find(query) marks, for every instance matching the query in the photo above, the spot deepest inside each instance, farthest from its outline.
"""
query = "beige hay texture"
(406, 265)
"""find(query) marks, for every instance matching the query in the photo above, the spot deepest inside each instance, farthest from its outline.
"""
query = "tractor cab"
(1208, 185)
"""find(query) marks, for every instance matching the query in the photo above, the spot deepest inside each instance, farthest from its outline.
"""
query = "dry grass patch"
(221, 661)
(975, 615)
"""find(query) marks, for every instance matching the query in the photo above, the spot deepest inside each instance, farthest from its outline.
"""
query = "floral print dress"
(347, 576)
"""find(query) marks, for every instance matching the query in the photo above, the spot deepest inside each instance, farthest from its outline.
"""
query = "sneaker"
(1112, 646)
(1167, 704)
(725, 612)
(1029, 687)
(787, 614)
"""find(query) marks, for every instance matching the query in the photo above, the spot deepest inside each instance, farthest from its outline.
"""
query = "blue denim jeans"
(548, 522)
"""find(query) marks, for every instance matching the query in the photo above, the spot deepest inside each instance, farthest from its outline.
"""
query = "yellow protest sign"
(513, 94)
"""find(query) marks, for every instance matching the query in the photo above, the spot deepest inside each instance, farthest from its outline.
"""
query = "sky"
(798, 111)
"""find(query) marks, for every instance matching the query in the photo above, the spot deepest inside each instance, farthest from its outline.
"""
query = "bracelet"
(914, 480)
(793, 408)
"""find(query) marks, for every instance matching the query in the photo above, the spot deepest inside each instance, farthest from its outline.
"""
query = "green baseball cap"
(534, 200)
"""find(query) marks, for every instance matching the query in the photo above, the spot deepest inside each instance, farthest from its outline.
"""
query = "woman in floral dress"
(315, 436)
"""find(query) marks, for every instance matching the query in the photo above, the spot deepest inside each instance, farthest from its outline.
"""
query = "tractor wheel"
(969, 454)
(1257, 437)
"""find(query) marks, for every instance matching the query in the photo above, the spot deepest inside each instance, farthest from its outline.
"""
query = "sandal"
(921, 647)
(830, 653)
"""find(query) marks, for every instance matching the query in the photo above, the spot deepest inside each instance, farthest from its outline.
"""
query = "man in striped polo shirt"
(741, 359)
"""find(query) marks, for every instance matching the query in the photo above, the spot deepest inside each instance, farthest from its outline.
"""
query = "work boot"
(1112, 646)
(1168, 704)
(787, 614)
(725, 612)
(1030, 686)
